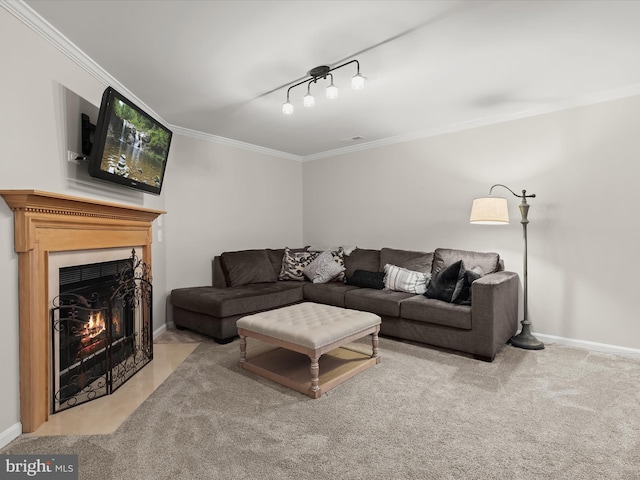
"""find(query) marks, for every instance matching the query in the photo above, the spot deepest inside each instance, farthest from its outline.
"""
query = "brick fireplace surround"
(45, 223)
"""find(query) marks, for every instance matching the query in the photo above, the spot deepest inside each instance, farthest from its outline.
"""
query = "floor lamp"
(494, 211)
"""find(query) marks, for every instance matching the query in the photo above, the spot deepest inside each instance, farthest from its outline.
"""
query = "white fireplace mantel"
(45, 223)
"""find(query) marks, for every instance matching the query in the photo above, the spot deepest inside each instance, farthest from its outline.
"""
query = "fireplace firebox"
(100, 329)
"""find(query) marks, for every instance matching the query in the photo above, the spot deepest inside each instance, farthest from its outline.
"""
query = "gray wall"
(581, 163)
(219, 198)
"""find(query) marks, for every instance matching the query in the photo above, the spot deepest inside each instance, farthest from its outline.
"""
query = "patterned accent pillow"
(403, 280)
(324, 268)
(294, 263)
(338, 257)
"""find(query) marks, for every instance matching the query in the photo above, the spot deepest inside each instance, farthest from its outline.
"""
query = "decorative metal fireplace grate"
(101, 329)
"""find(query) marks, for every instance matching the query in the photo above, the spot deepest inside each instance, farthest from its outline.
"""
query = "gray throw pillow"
(323, 269)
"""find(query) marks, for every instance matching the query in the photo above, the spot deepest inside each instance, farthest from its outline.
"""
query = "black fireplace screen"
(101, 329)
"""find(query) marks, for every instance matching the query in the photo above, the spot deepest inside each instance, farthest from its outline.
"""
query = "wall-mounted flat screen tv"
(130, 147)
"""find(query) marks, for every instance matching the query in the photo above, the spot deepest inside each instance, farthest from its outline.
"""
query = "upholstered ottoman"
(309, 330)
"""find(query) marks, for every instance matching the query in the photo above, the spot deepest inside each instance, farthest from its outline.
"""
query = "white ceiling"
(223, 67)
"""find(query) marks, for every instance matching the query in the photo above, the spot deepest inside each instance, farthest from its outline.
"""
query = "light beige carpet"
(559, 413)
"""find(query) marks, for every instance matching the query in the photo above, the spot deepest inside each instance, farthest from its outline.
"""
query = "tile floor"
(107, 413)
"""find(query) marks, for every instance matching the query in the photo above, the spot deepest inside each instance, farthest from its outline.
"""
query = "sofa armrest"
(494, 311)
(218, 279)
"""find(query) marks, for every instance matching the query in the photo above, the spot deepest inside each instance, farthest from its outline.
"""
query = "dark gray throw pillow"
(470, 276)
(247, 266)
(447, 284)
(366, 279)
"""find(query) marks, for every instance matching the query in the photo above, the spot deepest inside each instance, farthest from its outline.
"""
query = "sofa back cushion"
(443, 257)
(247, 266)
(411, 260)
(275, 257)
(362, 259)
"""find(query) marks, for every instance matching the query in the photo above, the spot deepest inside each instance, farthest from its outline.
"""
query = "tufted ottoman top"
(308, 324)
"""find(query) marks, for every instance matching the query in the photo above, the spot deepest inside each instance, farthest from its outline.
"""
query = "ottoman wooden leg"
(315, 374)
(374, 346)
(243, 349)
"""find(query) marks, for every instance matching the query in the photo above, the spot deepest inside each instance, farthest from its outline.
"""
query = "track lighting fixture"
(322, 72)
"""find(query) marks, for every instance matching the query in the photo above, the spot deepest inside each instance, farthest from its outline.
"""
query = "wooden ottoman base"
(309, 370)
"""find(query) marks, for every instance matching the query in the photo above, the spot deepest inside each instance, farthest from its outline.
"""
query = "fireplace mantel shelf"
(45, 202)
(48, 222)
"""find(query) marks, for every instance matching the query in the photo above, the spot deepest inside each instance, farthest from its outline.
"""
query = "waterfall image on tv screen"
(132, 147)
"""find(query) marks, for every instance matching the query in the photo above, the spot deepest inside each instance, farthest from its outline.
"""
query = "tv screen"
(129, 147)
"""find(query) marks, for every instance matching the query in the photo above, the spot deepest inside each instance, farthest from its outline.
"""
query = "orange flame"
(94, 327)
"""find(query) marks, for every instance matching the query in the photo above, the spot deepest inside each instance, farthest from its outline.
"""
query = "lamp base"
(527, 341)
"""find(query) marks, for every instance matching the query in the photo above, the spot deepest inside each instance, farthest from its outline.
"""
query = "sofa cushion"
(447, 284)
(443, 257)
(362, 259)
(381, 302)
(323, 268)
(403, 280)
(294, 263)
(225, 302)
(247, 266)
(367, 279)
(331, 293)
(415, 261)
(422, 309)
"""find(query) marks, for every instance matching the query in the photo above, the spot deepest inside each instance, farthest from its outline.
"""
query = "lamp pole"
(525, 339)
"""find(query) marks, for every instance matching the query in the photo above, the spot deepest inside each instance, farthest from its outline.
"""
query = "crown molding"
(234, 143)
(29, 17)
(39, 25)
(582, 101)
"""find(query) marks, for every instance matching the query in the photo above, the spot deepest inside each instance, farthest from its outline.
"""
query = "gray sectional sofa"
(250, 281)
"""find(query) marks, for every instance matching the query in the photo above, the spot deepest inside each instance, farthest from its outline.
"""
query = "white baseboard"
(159, 331)
(593, 346)
(10, 434)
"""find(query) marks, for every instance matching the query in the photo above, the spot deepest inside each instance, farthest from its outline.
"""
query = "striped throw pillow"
(403, 280)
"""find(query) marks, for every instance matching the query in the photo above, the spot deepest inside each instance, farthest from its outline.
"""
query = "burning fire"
(94, 327)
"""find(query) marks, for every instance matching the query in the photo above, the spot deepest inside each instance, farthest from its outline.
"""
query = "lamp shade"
(490, 211)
